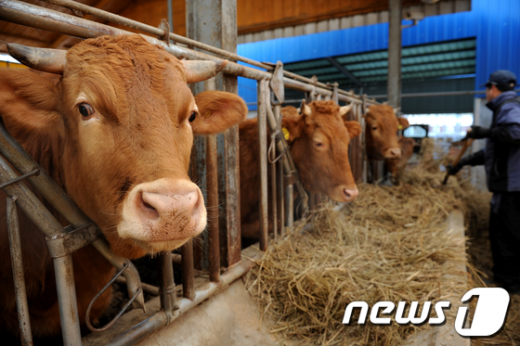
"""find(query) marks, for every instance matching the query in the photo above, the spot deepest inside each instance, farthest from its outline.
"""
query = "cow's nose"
(350, 194)
(157, 205)
(163, 210)
(393, 153)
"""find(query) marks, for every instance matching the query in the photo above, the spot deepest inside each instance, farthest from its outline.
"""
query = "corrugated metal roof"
(490, 30)
(425, 61)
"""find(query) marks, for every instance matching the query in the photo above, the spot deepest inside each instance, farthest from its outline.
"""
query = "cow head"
(319, 139)
(403, 123)
(381, 133)
(406, 145)
(116, 131)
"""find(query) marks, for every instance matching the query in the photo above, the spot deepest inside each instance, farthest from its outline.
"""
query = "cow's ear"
(353, 128)
(403, 123)
(292, 123)
(29, 103)
(218, 111)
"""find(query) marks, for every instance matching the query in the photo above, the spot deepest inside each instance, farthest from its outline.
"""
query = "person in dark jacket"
(501, 157)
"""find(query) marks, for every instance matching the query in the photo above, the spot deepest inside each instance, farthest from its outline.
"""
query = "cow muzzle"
(163, 214)
(344, 193)
(393, 153)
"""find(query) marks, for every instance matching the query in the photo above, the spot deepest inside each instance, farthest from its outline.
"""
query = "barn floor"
(229, 318)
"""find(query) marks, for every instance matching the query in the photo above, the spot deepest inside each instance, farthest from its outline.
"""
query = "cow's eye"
(318, 144)
(193, 115)
(374, 128)
(85, 110)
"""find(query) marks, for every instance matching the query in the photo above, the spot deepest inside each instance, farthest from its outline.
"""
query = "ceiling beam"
(343, 70)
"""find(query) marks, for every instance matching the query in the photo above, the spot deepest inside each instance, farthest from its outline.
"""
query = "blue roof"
(495, 27)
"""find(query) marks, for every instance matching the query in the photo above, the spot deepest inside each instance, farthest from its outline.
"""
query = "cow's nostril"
(148, 206)
(350, 194)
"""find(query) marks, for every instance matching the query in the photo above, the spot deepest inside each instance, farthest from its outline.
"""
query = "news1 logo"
(489, 317)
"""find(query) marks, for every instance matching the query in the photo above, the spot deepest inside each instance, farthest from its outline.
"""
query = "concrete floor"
(229, 318)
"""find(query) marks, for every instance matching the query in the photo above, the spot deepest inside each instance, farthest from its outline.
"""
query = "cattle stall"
(214, 162)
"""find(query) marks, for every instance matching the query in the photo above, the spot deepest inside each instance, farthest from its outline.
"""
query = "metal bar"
(272, 167)
(280, 187)
(262, 157)
(198, 175)
(343, 70)
(20, 178)
(176, 38)
(27, 201)
(231, 193)
(212, 207)
(15, 247)
(158, 320)
(43, 18)
(150, 289)
(166, 283)
(188, 271)
(394, 53)
(443, 93)
(289, 202)
(67, 300)
(54, 194)
(170, 15)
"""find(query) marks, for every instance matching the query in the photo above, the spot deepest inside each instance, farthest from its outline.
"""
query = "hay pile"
(390, 244)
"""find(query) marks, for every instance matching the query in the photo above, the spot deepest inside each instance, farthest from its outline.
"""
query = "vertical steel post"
(188, 271)
(272, 167)
(166, 283)
(231, 219)
(281, 186)
(394, 53)
(262, 157)
(289, 202)
(67, 300)
(170, 15)
(212, 207)
(214, 23)
(15, 246)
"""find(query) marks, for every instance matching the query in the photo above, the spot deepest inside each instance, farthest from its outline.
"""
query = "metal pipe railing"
(101, 14)
(166, 283)
(51, 191)
(15, 247)
(212, 193)
(159, 319)
(262, 157)
(43, 18)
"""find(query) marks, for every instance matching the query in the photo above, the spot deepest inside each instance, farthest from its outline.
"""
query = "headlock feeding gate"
(214, 161)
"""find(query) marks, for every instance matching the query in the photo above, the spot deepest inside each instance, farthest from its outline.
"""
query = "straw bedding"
(389, 245)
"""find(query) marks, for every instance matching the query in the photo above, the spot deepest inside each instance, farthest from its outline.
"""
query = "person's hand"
(452, 170)
(478, 132)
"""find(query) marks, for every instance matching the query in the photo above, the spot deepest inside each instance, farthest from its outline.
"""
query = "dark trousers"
(504, 234)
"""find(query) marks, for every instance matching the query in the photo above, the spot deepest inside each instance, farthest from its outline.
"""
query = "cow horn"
(345, 109)
(200, 70)
(307, 110)
(43, 59)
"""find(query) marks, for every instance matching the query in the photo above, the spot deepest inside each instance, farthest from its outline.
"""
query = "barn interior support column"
(394, 54)
(214, 22)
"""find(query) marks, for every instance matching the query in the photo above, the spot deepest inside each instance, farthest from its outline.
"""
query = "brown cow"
(381, 133)
(319, 140)
(396, 166)
(115, 130)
